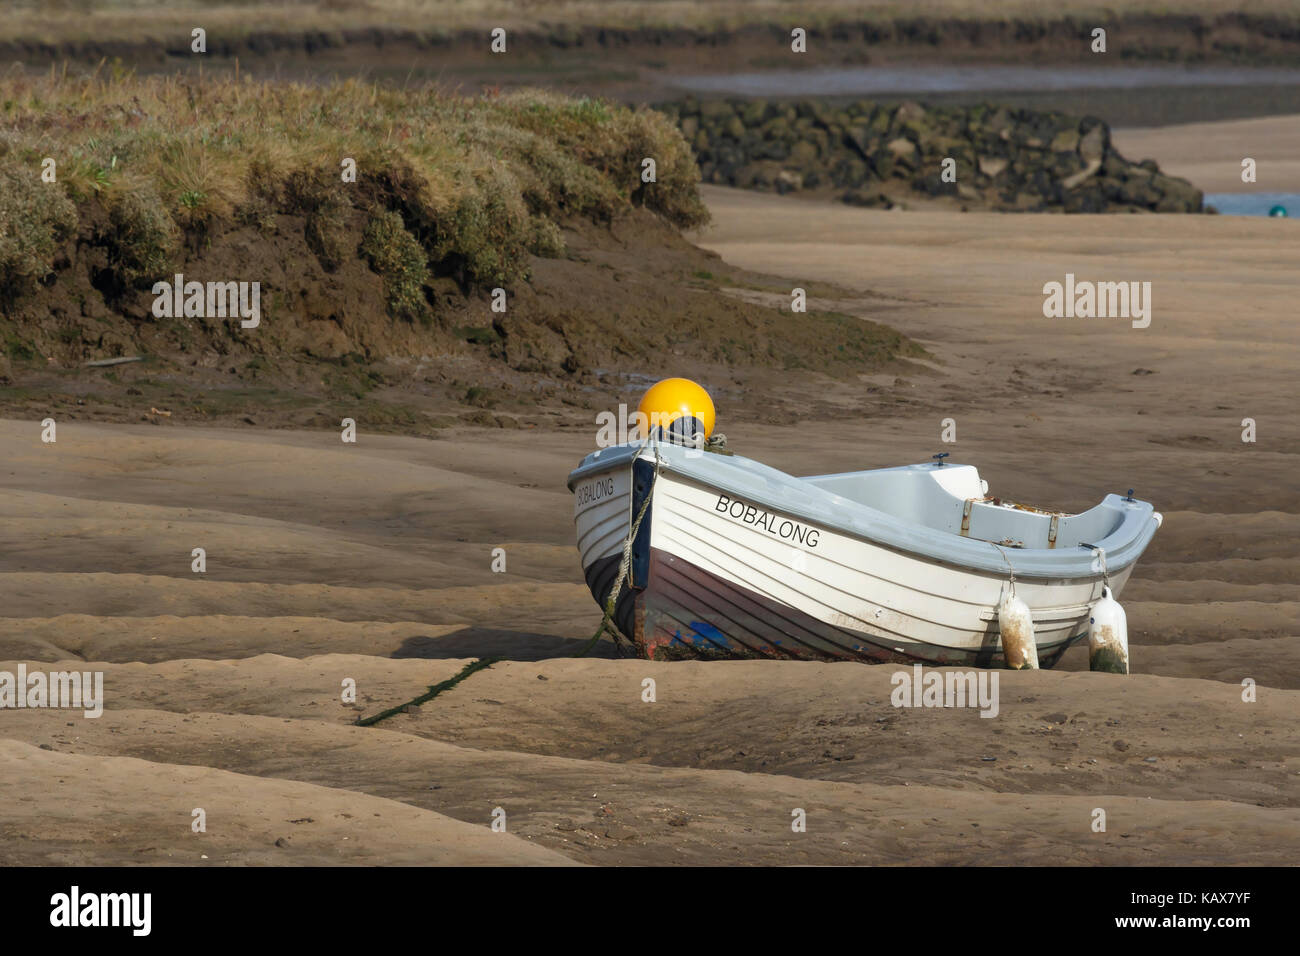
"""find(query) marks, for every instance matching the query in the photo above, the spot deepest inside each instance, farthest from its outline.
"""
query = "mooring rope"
(626, 564)
(433, 691)
(1010, 567)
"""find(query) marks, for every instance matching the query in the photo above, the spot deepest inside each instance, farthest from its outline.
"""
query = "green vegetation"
(143, 236)
(455, 185)
(396, 255)
(33, 222)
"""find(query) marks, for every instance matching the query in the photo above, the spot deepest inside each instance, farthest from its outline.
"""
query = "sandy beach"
(1210, 154)
(329, 562)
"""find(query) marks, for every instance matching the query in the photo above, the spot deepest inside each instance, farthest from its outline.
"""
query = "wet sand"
(1210, 154)
(372, 562)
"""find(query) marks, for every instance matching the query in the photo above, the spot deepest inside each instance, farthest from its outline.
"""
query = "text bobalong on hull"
(770, 522)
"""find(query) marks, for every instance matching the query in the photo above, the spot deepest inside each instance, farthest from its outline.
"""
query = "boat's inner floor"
(954, 499)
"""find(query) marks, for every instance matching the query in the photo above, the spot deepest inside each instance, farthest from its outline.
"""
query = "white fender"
(1108, 636)
(1016, 625)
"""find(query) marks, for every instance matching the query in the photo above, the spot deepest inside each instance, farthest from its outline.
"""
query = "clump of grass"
(487, 226)
(396, 255)
(265, 187)
(589, 154)
(35, 219)
(479, 184)
(327, 235)
(310, 193)
(143, 238)
(480, 396)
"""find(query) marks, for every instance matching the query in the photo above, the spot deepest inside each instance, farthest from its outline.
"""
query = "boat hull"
(689, 612)
(711, 576)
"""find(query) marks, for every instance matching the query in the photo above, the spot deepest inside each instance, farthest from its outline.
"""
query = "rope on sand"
(433, 691)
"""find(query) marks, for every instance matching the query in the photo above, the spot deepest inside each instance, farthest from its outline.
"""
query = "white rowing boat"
(733, 558)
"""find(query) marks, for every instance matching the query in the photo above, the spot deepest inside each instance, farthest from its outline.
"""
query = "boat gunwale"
(1123, 546)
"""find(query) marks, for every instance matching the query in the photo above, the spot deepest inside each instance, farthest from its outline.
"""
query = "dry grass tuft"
(479, 184)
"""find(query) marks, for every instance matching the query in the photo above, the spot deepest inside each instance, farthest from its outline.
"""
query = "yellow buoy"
(674, 399)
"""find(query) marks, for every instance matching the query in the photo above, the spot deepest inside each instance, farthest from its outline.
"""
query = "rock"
(803, 154)
(1065, 165)
(852, 173)
(1139, 192)
(822, 115)
(1123, 169)
(999, 123)
(755, 112)
(903, 150)
(932, 184)
(1179, 192)
(1066, 141)
(909, 111)
(1093, 143)
(1011, 159)
(1088, 171)
(787, 180)
(1121, 745)
(1085, 198)
(616, 831)
(777, 128)
(750, 176)
(1111, 188)
(714, 111)
(860, 139)
(868, 200)
(942, 146)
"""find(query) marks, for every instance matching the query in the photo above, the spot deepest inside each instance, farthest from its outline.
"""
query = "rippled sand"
(371, 563)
